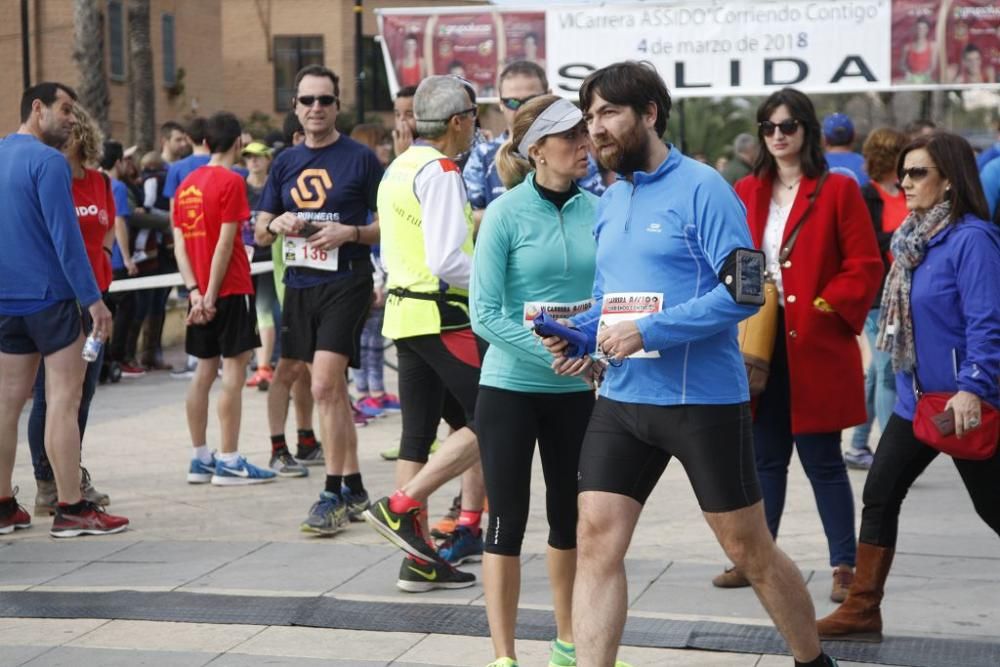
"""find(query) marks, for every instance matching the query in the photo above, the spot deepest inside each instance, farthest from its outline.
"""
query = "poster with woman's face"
(914, 46)
(404, 36)
(467, 45)
(525, 35)
(972, 41)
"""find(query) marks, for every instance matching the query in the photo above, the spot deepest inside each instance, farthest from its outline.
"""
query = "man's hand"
(554, 344)
(196, 313)
(332, 235)
(286, 223)
(619, 340)
(968, 412)
(208, 307)
(101, 316)
(402, 138)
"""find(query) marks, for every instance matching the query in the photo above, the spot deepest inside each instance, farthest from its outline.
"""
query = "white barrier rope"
(173, 279)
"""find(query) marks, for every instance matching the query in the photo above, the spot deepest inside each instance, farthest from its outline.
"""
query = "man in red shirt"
(209, 207)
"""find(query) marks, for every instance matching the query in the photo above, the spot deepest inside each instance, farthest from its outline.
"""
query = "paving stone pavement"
(245, 541)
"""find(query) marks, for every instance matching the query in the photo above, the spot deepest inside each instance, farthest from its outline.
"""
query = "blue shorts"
(44, 332)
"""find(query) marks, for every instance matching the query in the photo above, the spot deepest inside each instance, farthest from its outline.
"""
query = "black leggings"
(509, 422)
(899, 460)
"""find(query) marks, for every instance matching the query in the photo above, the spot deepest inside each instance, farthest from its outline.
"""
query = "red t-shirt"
(208, 198)
(894, 209)
(95, 209)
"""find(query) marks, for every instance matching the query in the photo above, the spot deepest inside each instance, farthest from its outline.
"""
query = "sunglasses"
(787, 127)
(515, 103)
(915, 173)
(309, 100)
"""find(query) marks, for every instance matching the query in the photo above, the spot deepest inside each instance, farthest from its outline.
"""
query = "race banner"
(707, 48)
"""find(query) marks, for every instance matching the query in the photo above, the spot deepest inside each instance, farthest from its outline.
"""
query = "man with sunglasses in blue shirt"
(519, 82)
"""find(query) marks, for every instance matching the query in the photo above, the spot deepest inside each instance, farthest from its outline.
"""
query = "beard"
(625, 154)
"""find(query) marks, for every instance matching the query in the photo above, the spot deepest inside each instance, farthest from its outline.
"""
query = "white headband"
(558, 117)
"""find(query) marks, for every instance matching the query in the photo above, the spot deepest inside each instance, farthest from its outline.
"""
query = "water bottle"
(91, 348)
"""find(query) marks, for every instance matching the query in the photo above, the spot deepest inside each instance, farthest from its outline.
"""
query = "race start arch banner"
(709, 47)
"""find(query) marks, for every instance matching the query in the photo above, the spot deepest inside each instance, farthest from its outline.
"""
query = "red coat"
(836, 257)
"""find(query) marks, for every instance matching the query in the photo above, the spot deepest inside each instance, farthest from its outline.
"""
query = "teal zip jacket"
(527, 251)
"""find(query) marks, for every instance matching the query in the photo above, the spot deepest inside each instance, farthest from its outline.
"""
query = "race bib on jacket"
(627, 306)
(533, 309)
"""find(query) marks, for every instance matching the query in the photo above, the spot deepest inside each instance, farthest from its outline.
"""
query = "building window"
(290, 55)
(116, 39)
(377, 97)
(169, 53)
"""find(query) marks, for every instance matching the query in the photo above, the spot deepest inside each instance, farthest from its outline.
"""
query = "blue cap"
(838, 129)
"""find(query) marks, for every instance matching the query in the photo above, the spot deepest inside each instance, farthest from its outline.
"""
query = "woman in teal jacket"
(535, 250)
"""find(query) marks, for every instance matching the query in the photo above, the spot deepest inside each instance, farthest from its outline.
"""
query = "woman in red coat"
(816, 383)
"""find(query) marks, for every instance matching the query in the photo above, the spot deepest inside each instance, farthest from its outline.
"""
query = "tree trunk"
(88, 53)
(142, 107)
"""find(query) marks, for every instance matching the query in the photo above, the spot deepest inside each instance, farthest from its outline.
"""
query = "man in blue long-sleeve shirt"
(46, 282)
(666, 305)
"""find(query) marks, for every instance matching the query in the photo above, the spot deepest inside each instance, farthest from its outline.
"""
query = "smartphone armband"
(743, 275)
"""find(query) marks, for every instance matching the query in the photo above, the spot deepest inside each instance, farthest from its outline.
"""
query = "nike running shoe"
(503, 662)
(357, 503)
(370, 407)
(200, 472)
(327, 516)
(562, 655)
(13, 516)
(284, 464)
(419, 576)
(240, 473)
(309, 455)
(91, 520)
(392, 453)
(447, 524)
(462, 546)
(403, 530)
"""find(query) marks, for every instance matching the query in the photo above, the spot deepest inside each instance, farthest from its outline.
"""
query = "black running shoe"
(356, 503)
(309, 455)
(419, 576)
(403, 530)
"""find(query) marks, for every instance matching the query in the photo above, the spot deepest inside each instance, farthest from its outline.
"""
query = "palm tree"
(88, 53)
(142, 100)
(711, 124)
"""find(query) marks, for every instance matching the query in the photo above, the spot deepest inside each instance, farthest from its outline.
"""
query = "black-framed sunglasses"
(916, 174)
(787, 127)
(515, 103)
(309, 100)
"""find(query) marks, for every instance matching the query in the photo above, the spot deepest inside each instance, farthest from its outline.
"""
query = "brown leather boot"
(859, 618)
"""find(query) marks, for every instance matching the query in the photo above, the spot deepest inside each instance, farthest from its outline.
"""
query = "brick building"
(238, 55)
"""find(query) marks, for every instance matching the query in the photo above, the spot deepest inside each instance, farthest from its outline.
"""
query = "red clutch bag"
(976, 445)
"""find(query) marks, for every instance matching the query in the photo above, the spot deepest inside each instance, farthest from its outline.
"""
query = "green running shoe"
(503, 662)
(563, 654)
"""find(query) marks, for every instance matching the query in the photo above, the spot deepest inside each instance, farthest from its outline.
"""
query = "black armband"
(743, 275)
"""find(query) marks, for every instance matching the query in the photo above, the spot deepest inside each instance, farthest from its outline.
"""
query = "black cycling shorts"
(628, 446)
(430, 368)
(326, 317)
(230, 333)
(44, 332)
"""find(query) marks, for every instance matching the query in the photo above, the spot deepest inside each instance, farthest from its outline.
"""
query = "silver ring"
(974, 422)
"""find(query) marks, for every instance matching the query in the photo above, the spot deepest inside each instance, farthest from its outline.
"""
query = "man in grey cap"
(427, 252)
